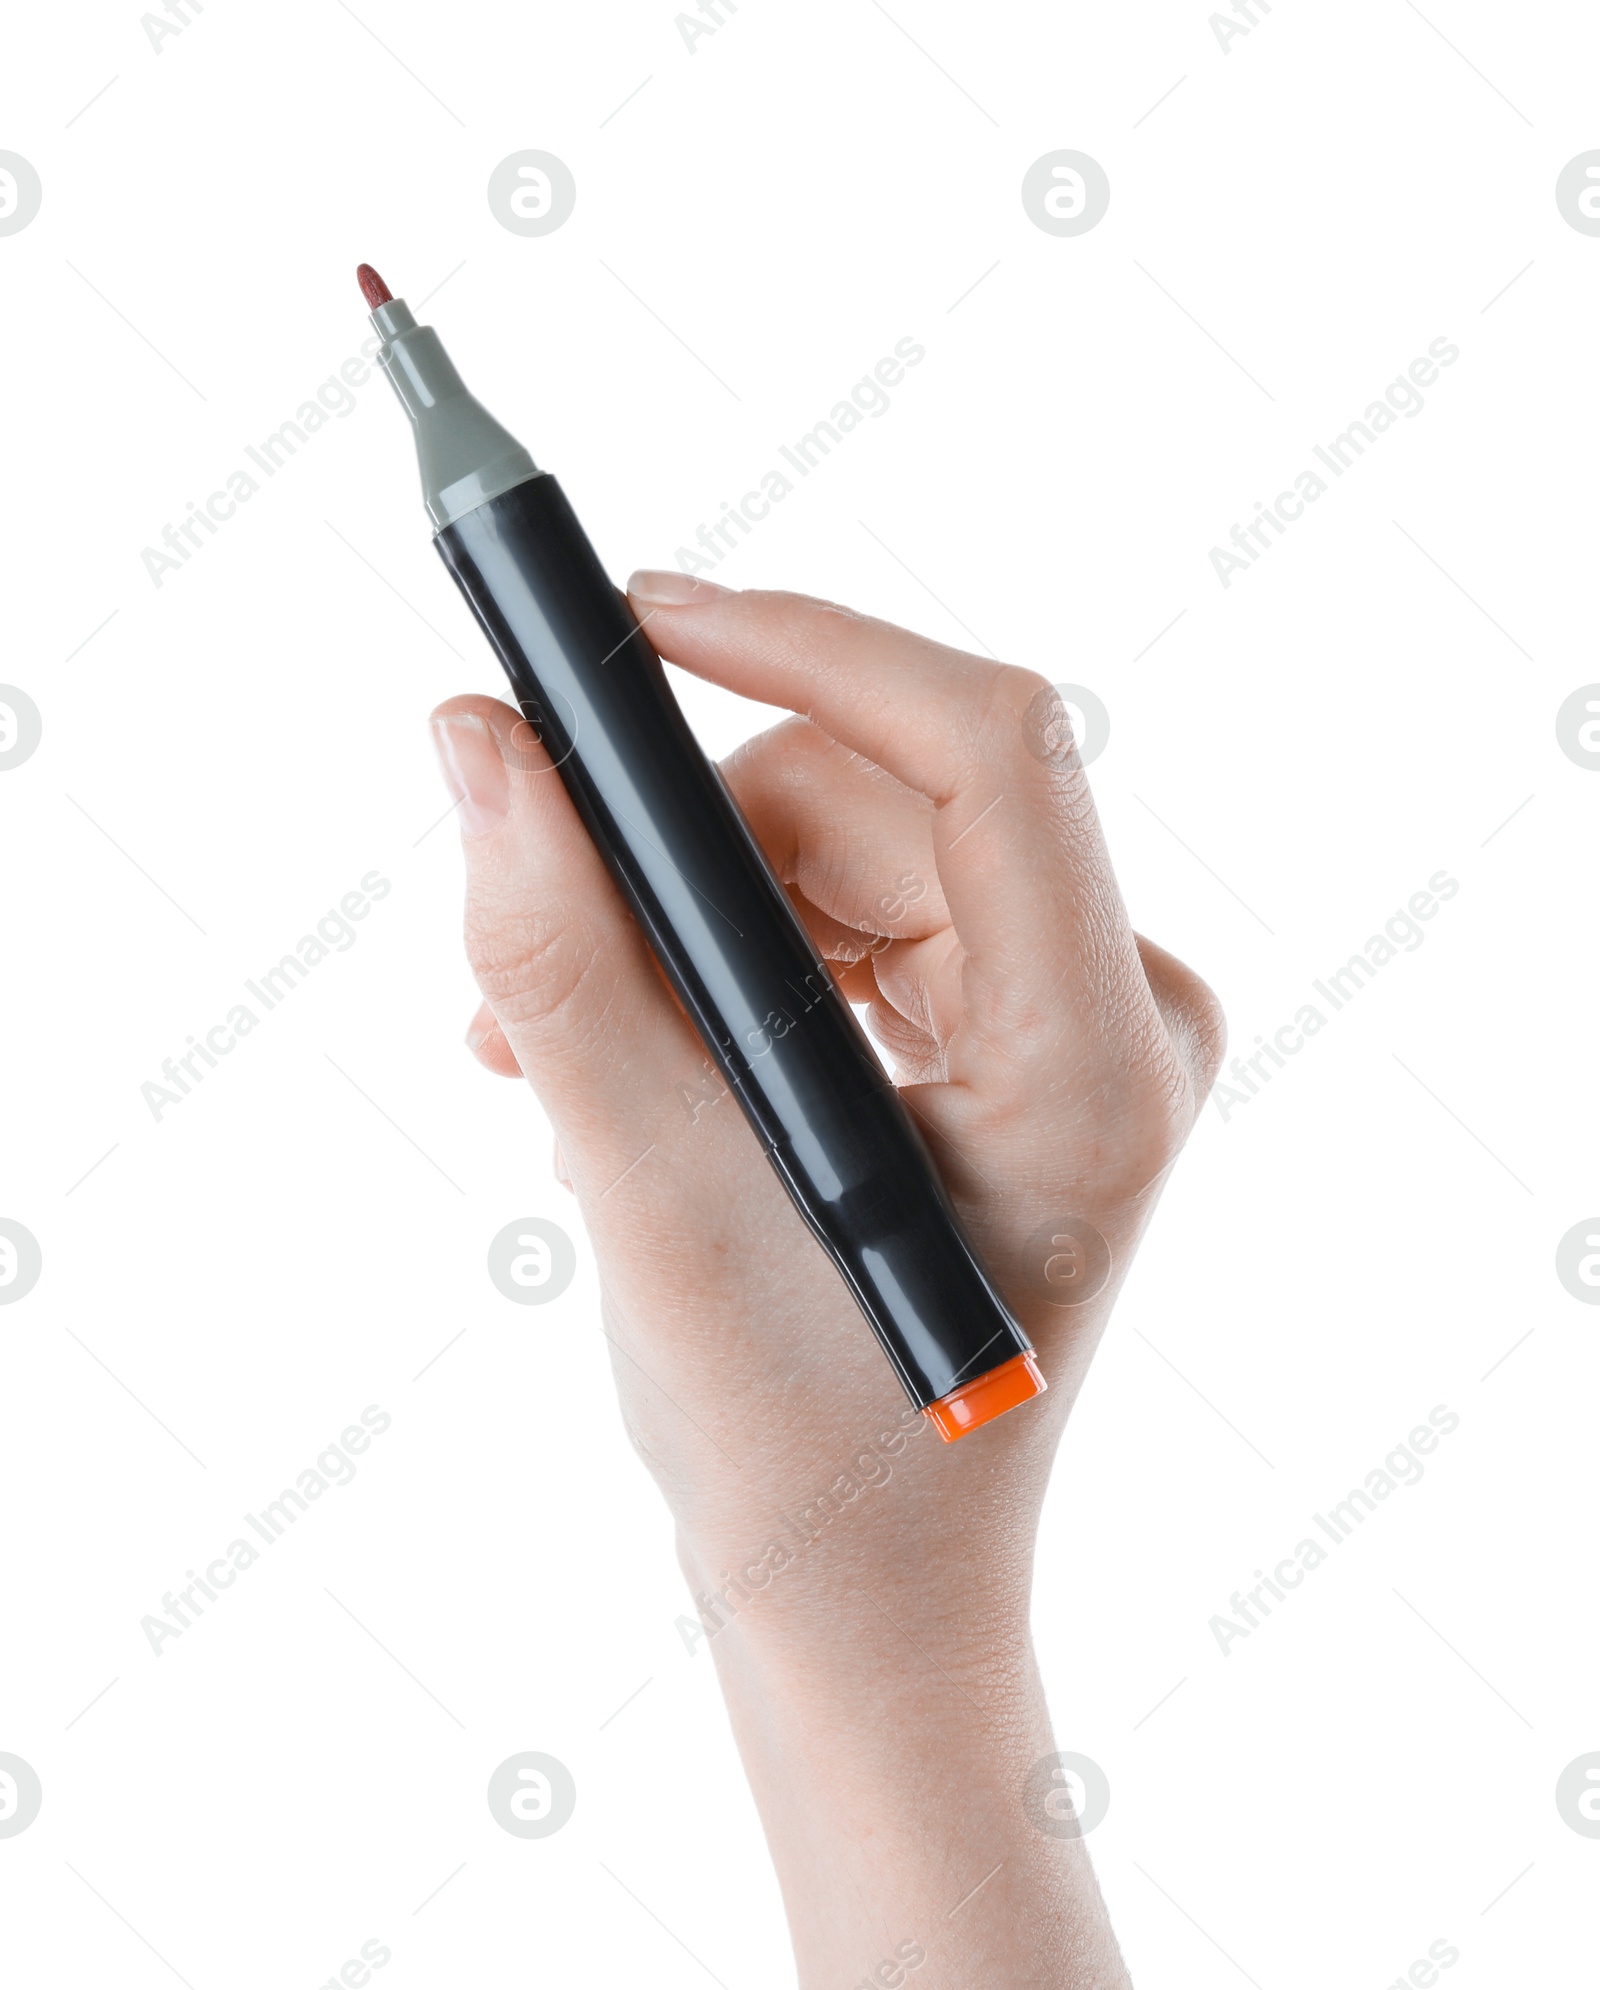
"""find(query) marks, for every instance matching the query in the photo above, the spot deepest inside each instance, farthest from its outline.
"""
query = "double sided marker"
(764, 1003)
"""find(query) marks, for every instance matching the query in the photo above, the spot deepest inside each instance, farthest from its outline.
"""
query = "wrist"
(826, 1596)
(890, 1766)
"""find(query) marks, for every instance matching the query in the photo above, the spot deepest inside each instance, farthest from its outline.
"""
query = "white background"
(227, 755)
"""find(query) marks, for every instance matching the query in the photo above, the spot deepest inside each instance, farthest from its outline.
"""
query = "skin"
(881, 1684)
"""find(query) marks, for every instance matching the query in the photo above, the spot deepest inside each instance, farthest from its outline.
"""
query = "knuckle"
(991, 705)
(813, 612)
(1017, 687)
(1144, 1123)
(1196, 1024)
(1113, 1116)
(1208, 1026)
(530, 969)
(1018, 716)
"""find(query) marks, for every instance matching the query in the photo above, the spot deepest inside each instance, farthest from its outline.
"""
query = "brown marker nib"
(373, 287)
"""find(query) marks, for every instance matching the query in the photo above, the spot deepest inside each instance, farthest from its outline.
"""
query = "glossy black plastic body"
(783, 1037)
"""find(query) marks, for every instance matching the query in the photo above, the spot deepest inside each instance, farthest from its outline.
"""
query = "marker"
(765, 1004)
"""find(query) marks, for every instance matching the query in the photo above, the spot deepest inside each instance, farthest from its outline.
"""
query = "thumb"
(561, 961)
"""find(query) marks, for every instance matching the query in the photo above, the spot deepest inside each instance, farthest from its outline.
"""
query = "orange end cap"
(985, 1397)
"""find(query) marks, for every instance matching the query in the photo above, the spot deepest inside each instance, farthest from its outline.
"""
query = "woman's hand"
(864, 1586)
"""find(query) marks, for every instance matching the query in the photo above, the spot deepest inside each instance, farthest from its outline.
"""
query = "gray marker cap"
(465, 456)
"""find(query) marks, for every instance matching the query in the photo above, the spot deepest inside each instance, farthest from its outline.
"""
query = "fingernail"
(478, 1029)
(665, 589)
(474, 773)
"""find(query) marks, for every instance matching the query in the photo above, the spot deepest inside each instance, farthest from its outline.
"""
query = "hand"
(864, 1585)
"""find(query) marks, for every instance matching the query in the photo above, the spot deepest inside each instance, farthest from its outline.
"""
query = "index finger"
(1018, 845)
